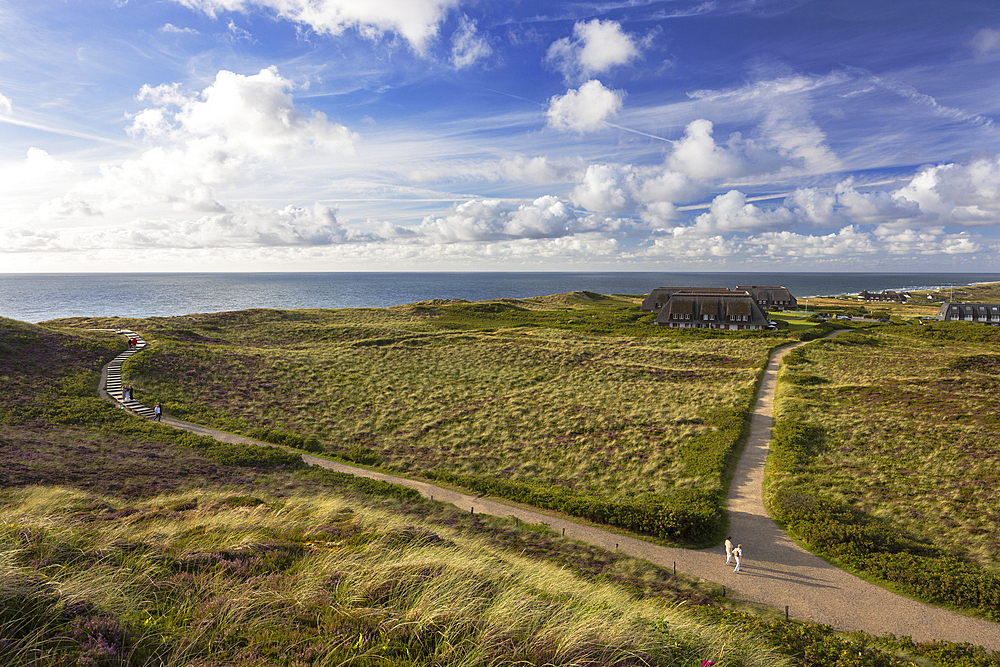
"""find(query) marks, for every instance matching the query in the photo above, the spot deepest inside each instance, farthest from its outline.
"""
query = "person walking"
(738, 553)
(159, 413)
(729, 549)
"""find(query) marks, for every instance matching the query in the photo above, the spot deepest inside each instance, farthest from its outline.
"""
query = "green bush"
(373, 487)
(688, 515)
(364, 456)
(240, 454)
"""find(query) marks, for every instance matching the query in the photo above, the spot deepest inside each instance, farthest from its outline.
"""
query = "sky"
(487, 135)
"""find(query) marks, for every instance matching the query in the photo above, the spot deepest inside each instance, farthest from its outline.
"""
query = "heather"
(885, 457)
(319, 577)
(129, 543)
(576, 396)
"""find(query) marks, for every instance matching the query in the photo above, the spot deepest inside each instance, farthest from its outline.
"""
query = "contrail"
(55, 130)
(644, 134)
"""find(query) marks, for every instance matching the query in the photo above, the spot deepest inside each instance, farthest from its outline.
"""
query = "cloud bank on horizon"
(659, 135)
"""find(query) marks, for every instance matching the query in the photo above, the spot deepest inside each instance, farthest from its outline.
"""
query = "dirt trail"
(775, 571)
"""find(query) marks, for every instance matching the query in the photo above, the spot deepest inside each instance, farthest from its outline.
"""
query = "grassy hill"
(573, 402)
(129, 543)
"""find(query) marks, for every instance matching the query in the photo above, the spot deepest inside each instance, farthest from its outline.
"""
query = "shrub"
(689, 514)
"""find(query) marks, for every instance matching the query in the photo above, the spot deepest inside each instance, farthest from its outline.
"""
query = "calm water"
(40, 297)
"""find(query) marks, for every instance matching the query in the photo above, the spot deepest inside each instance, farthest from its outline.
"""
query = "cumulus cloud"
(207, 140)
(6, 107)
(241, 114)
(204, 142)
(596, 47)
(697, 155)
(535, 170)
(585, 109)
(789, 139)
(490, 220)
(957, 194)
(417, 21)
(240, 226)
(606, 188)
(467, 46)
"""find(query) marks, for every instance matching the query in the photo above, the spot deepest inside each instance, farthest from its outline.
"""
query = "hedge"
(834, 530)
(688, 514)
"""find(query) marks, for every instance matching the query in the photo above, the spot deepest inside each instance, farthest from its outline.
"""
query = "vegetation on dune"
(571, 402)
(885, 457)
(216, 578)
(128, 543)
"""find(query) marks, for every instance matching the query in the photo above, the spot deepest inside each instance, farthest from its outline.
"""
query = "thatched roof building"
(771, 297)
(884, 295)
(654, 302)
(704, 308)
(983, 313)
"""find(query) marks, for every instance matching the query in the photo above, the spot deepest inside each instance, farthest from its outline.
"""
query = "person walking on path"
(159, 413)
(729, 549)
(738, 552)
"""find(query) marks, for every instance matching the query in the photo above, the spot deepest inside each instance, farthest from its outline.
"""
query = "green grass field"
(578, 393)
(898, 425)
(125, 543)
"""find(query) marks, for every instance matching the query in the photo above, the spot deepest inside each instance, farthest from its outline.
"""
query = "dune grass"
(897, 427)
(578, 392)
(123, 544)
(309, 580)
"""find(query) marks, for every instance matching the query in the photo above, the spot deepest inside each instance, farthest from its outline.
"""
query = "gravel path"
(775, 571)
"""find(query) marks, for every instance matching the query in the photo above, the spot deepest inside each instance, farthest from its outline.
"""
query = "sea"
(41, 297)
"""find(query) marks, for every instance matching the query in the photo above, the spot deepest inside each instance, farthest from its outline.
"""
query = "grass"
(575, 391)
(901, 429)
(123, 544)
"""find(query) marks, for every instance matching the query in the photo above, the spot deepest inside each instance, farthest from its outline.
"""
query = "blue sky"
(339, 135)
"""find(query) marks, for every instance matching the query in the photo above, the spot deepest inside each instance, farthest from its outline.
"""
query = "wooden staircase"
(114, 382)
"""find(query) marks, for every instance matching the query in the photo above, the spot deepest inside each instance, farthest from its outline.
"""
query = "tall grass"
(589, 398)
(311, 580)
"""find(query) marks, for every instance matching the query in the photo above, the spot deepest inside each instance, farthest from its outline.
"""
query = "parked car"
(843, 317)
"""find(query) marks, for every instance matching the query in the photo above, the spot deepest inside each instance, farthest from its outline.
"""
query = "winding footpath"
(775, 571)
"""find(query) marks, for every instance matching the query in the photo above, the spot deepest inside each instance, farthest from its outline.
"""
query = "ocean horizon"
(33, 297)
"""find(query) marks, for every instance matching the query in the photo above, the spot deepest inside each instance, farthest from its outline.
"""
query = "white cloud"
(205, 142)
(697, 155)
(237, 33)
(957, 194)
(986, 43)
(584, 110)
(467, 46)
(789, 138)
(535, 170)
(596, 47)
(246, 114)
(485, 220)
(241, 227)
(848, 242)
(6, 106)
(170, 28)
(416, 21)
(874, 207)
(731, 213)
(606, 188)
